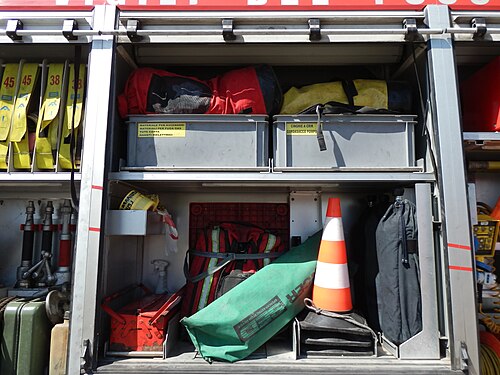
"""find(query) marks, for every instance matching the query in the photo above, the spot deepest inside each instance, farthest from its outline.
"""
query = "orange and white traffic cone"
(331, 289)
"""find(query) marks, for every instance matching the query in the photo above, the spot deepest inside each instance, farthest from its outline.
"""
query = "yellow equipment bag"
(348, 96)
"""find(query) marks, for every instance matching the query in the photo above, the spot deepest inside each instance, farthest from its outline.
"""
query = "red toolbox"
(141, 326)
(480, 96)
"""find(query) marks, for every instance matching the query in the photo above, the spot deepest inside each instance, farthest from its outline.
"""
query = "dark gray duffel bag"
(398, 280)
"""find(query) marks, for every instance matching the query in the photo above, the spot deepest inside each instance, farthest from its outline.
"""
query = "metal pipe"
(470, 30)
(27, 251)
(268, 31)
(65, 239)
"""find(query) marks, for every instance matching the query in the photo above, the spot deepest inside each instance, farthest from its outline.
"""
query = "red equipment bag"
(250, 90)
(142, 324)
(150, 90)
(219, 250)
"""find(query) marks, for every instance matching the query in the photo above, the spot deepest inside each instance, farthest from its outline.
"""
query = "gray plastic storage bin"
(370, 142)
(197, 142)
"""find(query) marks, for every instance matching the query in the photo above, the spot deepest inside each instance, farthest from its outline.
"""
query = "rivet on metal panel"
(132, 27)
(12, 27)
(479, 24)
(68, 27)
(410, 24)
(228, 29)
(314, 29)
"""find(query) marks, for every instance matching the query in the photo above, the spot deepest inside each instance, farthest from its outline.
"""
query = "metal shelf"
(208, 179)
(481, 136)
(482, 145)
(37, 185)
(29, 178)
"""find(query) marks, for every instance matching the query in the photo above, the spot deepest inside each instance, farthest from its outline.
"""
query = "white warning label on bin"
(161, 130)
(301, 128)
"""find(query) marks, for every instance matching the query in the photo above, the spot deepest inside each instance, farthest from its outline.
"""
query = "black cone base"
(322, 335)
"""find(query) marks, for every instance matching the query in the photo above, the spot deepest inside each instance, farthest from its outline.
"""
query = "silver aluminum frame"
(456, 234)
(85, 271)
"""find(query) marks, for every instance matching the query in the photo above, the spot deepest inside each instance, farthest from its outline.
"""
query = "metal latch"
(319, 129)
(479, 24)
(314, 29)
(11, 30)
(228, 29)
(132, 27)
(86, 360)
(410, 24)
(464, 357)
(68, 27)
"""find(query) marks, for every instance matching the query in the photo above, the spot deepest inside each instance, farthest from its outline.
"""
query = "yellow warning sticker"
(161, 130)
(301, 128)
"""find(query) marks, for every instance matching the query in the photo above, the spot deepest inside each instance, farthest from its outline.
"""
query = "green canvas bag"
(247, 316)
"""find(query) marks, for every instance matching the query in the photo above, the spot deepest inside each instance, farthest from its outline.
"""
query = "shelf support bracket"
(68, 27)
(479, 24)
(410, 25)
(132, 27)
(314, 29)
(11, 30)
(228, 29)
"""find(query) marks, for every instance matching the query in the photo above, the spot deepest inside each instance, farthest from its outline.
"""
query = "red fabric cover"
(237, 91)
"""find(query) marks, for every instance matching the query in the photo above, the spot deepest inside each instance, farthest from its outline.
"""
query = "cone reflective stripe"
(331, 289)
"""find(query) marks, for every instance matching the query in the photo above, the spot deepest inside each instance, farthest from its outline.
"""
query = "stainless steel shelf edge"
(291, 177)
(37, 177)
(481, 136)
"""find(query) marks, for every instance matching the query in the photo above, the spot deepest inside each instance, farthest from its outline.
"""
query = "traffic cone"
(331, 290)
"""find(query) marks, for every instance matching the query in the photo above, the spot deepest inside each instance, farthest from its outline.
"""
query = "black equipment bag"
(398, 281)
(364, 262)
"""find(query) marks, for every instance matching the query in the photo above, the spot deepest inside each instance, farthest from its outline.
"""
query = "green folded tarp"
(243, 319)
